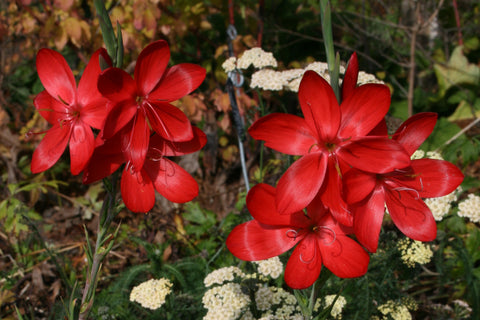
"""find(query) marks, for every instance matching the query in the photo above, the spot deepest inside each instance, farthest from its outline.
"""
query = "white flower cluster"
(290, 79)
(327, 301)
(152, 293)
(222, 275)
(414, 251)
(226, 302)
(395, 311)
(255, 57)
(470, 208)
(439, 206)
(272, 267)
(277, 303)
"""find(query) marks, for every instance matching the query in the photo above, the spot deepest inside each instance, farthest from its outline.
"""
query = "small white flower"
(470, 208)
(414, 251)
(152, 293)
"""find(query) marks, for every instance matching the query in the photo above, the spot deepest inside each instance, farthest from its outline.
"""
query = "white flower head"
(272, 267)
(152, 293)
(470, 208)
(257, 58)
(395, 310)
(222, 275)
(225, 302)
(414, 251)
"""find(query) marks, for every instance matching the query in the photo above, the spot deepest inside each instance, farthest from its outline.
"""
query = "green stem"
(107, 214)
(332, 60)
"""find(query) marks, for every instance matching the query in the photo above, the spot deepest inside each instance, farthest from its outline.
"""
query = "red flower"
(401, 189)
(71, 110)
(318, 237)
(158, 172)
(145, 99)
(329, 138)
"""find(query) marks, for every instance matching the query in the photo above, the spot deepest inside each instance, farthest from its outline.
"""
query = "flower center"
(330, 146)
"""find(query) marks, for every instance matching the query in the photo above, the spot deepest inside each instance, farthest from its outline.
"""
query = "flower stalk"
(333, 60)
(103, 245)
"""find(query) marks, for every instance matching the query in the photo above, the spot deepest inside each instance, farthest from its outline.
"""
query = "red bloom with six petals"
(157, 173)
(146, 99)
(318, 237)
(401, 190)
(72, 111)
(329, 138)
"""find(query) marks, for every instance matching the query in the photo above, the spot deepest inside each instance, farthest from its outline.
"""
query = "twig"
(470, 125)
(457, 20)
(411, 73)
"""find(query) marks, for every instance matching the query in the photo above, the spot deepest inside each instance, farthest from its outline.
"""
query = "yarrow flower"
(272, 267)
(222, 275)
(414, 252)
(152, 293)
(318, 237)
(268, 79)
(71, 111)
(394, 310)
(225, 302)
(470, 208)
(276, 303)
(256, 57)
(327, 301)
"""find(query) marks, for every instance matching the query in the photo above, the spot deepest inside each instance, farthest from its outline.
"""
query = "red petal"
(319, 106)
(252, 241)
(50, 148)
(56, 76)
(171, 180)
(81, 147)
(118, 117)
(413, 132)
(105, 160)
(179, 81)
(261, 204)
(87, 87)
(368, 217)
(159, 145)
(136, 141)
(117, 85)
(137, 191)
(284, 132)
(300, 183)
(411, 215)
(95, 113)
(151, 64)
(351, 76)
(304, 265)
(374, 154)
(380, 129)
(363, 109)
(344, 257)
(433, 178)
(357, 185)
(50, 109)
(331, 194)
(169, 121)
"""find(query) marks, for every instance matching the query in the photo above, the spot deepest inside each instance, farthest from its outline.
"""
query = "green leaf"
(457, 71)
(465, 110)
(107, 29)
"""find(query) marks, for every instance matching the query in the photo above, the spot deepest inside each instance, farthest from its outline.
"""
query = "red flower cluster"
(138, 125)
(348, 169)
